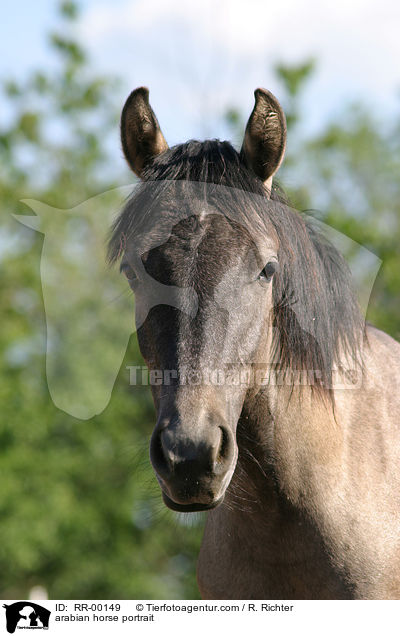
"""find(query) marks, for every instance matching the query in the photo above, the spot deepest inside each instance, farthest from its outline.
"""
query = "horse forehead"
(210, 246)
(207, 232)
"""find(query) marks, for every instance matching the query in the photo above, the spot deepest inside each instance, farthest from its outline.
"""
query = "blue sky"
(200, 58)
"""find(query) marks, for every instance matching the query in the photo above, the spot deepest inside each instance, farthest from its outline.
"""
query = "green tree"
(355, 170)
(81, 510)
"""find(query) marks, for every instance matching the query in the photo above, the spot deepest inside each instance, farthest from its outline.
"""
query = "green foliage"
(81, 510)
(293, 79)
(356, 166)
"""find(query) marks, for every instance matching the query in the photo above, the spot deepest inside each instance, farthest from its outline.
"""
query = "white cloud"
(198, 58)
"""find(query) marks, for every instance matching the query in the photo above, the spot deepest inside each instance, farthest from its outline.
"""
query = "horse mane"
(316, 316)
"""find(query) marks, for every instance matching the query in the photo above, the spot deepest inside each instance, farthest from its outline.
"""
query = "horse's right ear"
(141, 136)
(264, 140)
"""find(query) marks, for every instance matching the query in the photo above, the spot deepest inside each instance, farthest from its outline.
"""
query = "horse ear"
(141, 136)
(265, 137)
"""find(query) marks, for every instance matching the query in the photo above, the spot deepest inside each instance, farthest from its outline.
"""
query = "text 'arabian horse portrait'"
(247, 317)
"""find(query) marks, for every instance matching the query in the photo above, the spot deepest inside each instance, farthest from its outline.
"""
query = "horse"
(300, 479)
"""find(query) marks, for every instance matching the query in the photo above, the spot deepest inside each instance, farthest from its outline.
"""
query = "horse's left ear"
(141, 136)
(265, 137)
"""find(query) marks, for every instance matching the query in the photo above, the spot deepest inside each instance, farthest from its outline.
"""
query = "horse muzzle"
(193, 462)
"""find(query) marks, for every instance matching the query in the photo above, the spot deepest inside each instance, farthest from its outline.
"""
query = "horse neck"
(294, 433)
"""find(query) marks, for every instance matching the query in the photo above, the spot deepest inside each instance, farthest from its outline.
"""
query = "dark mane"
(316, 314)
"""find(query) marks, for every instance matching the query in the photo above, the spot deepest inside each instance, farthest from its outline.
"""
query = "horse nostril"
(224, 450)
(158, 456)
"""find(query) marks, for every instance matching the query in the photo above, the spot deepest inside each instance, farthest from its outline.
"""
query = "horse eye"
(269, 270)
